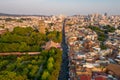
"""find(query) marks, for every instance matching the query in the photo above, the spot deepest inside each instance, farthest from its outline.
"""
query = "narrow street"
(64, 72)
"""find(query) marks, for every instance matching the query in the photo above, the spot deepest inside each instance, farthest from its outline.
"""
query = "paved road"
(64, 73)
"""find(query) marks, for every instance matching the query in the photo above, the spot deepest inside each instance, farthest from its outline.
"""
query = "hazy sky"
(54, 7)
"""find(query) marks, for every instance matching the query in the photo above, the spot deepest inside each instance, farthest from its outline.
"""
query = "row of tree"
(45, 66)
(52, 65)
(26, 40)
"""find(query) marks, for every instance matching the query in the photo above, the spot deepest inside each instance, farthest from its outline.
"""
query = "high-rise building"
(105, 14)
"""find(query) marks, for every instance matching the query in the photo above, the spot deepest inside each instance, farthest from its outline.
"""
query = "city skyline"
(55, 7)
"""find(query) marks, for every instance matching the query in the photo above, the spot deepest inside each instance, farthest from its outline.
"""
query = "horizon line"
(36, 14)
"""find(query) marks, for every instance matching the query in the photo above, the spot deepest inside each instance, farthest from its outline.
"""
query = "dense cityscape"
(94, 47)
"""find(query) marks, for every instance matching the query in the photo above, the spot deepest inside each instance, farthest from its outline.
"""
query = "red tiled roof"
(100, 78)
(85, 77)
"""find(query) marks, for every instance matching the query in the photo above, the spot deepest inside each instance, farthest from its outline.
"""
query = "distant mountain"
(4, 14)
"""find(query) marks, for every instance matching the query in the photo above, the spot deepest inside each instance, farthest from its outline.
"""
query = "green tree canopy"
(45, 75)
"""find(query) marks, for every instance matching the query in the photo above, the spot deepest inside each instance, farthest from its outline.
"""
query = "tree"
(6, 75)
(45, 53)
(22, 31)
(52, 52)
(25, 71)
(34, 71)
(50, 67)
(54, 75)
(11, 67)
(50, 60)
(3, 64)
(45, 75)
(23, 47)
(51, 36)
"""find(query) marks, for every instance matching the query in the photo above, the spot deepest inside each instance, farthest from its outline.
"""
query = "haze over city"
(55, 7)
